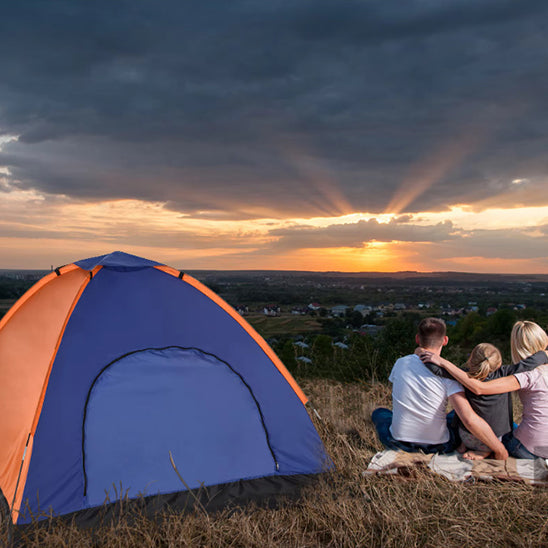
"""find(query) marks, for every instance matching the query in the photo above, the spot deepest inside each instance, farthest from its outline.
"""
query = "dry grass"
(345, 508)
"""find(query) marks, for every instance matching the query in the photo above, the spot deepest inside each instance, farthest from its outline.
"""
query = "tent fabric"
(29, 334)
(180, 382)
(140, 362)
(117, 260)
(258, 339)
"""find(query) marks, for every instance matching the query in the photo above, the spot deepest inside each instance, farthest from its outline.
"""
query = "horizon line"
(361, 272)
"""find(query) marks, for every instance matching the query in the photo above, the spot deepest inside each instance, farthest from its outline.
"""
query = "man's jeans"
(382, 419)
(515, 448)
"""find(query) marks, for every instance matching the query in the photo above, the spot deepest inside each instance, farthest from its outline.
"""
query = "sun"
(374, 256)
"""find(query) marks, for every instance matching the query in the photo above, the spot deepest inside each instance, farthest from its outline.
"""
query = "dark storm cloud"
(298, 107)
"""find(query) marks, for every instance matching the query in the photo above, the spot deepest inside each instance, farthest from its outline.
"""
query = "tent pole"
(309, 404)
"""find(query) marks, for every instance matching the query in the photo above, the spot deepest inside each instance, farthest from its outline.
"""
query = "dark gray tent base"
(266, 492)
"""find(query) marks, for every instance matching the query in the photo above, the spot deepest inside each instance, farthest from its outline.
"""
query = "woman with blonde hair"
(530, 438)
(526, 339)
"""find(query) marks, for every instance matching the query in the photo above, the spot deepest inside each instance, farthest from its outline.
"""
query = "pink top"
(533, 430)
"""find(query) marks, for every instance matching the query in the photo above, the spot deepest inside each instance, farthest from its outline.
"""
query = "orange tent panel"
(29, 335)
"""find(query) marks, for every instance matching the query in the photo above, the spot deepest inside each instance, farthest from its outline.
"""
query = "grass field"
(345, 508)
(287, 324)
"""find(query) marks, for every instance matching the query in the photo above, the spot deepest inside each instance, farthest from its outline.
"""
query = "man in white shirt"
(418, 421)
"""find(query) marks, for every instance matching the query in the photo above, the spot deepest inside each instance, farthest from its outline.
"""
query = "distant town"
(350, 327)
(374, 296)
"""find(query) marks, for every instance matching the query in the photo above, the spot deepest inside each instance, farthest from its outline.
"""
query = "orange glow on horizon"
(374, 257)
(38, 231)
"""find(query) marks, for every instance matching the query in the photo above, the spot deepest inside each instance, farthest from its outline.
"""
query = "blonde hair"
(526, 339)
(484, 359)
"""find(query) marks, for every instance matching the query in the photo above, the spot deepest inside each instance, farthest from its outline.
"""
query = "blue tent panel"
(154, 402)
(117, 260)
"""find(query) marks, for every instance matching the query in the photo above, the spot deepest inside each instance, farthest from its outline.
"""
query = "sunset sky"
(350, 135)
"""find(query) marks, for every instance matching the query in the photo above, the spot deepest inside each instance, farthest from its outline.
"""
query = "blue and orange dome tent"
(119, 375)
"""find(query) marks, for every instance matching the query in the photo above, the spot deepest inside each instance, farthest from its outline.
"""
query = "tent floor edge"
(267, 492)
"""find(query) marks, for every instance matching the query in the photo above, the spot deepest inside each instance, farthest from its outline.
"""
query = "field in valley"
(287, 325)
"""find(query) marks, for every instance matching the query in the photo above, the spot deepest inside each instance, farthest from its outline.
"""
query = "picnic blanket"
(455, 468)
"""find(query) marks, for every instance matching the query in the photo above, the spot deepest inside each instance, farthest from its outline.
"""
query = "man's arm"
(476, 425)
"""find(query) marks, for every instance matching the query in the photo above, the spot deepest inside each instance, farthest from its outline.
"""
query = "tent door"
(149, 403)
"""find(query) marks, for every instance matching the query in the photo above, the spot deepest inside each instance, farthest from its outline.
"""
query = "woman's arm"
(498, 386)
(528, 364)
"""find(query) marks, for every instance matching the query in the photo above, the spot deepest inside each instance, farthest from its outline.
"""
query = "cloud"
(360, 233)
(38, 229)
(436, 242)
(277, 108)
(497, 244)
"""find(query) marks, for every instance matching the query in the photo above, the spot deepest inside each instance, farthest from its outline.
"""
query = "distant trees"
(354, 318)
(367, 358)
(474, 328)
(362, 358)
(13, 289)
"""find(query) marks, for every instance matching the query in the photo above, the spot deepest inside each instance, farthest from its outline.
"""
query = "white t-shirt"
(419, 401)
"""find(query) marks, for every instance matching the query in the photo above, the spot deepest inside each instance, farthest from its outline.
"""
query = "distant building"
(370, 329)
(242, 309)
(453, 311)
(271, 310)
(339, 310)
(341, 345)
(362, 309)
